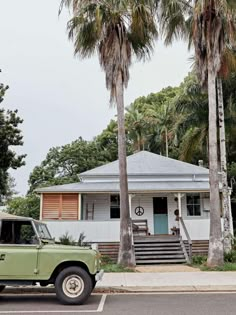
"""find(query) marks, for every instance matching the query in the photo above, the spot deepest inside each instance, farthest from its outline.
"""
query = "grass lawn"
(116, 268)
(226, 267)
(108, 265)
(229, 265)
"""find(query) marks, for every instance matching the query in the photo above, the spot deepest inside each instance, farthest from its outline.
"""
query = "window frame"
(194, 215)
(114, 206)
(13, 233)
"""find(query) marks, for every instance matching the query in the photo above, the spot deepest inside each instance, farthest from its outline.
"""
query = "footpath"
(170, 278)
(168, 282)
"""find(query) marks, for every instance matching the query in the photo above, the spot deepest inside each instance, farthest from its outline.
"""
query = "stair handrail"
(188, 237)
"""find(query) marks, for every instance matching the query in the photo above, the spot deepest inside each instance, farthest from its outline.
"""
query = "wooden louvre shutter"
(51, 207)
(69, 209)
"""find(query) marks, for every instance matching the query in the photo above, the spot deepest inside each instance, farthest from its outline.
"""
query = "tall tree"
(228, 64)
(213, 29)
(117, 30)
(64, 164)
(10, 136)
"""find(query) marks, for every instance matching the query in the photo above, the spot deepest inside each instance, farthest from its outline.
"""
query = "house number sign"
(139, 211)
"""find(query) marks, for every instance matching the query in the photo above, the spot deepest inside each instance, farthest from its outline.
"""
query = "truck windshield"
(43, 231)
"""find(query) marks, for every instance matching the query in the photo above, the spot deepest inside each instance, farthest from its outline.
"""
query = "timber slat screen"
(60, 207)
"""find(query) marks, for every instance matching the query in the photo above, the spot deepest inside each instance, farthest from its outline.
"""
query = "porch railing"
(190, 244)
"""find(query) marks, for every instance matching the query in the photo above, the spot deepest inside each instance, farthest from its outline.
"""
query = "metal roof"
(144, 187)
(147, 163)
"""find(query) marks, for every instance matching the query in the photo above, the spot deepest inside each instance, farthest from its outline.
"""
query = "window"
(60, 207)
(17, 232)
(115, 207)
(193, 205)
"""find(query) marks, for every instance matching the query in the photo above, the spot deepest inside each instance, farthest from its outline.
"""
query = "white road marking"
(98, 310)
(101, 304)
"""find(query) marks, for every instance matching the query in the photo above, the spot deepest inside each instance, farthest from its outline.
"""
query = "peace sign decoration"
(139, 211)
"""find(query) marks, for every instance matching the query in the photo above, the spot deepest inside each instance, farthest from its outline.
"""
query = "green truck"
(29, 256)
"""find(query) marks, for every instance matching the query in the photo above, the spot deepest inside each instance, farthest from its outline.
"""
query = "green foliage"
(106, 260)
(225, 267)
(116, 268)
(109, 266)
(64, 164)
(10, 135)
(67, 239)
(230, 257)
(28, 206)
(199, 260)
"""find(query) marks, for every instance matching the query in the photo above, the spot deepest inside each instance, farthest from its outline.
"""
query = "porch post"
(130, 200)
(79, 207)
(41, 207)
(230, 214)
(179, 205)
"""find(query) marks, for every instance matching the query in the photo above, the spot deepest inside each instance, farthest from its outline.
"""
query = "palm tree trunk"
(126, 251)
(215, 252)
(167, 145)
(223, 166)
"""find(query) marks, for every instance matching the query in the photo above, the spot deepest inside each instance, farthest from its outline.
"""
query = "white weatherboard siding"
(101, 206)
(198, 229)
(146, 201)
(94, 231)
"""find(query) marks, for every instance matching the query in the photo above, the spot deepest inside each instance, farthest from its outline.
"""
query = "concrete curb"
(139, 289)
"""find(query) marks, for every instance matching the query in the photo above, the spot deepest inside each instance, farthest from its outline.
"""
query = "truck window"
(17, 232)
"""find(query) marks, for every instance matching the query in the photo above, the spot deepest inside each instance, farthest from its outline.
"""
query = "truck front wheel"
(73, 285)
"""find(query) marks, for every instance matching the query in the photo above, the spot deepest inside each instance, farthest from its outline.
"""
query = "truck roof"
(5, 215)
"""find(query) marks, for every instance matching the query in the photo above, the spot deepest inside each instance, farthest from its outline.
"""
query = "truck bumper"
(99, 275)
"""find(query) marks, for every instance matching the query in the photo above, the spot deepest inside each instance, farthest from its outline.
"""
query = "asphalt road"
(124, 304)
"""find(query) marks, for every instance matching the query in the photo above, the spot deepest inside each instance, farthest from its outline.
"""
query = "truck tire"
(2, 287)
(73, 285)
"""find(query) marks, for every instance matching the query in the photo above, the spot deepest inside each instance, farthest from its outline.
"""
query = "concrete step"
(164, 252)
(144, 249)
(143, 257)
(157, 244)
(138, 241)
(159, 261)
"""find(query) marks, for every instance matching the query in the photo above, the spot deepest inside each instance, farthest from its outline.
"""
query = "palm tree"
(136, 128)
(162, 121)
(117, 30)
(213, 28)
(228, 64)
(192, 125)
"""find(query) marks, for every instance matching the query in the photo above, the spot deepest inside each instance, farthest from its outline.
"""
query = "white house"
(158, 186)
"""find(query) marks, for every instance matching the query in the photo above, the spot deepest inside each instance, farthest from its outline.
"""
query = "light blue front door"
(160, 224)
(160, 212)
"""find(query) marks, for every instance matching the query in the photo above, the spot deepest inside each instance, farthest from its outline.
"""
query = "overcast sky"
(61, 97)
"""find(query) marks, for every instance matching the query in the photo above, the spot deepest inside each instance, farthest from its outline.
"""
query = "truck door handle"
(2, 256)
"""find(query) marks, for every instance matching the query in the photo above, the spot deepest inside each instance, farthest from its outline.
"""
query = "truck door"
(18, 250)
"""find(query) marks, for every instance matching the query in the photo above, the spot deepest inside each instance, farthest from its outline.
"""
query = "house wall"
(199, 224)
(94, 231)
(146, 201)
(102, 207)
(103, 229)
(101, 204)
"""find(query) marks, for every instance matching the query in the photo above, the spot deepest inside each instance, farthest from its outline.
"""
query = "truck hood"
(65, 247)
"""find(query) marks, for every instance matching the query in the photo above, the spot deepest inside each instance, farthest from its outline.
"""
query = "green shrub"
(230, 257)
(199, 260)
(66, 239)
(106, 260)
(81, 239)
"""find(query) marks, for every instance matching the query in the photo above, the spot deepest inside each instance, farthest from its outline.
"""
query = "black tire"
(2, 287)
(93, 282)
(73, 285)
